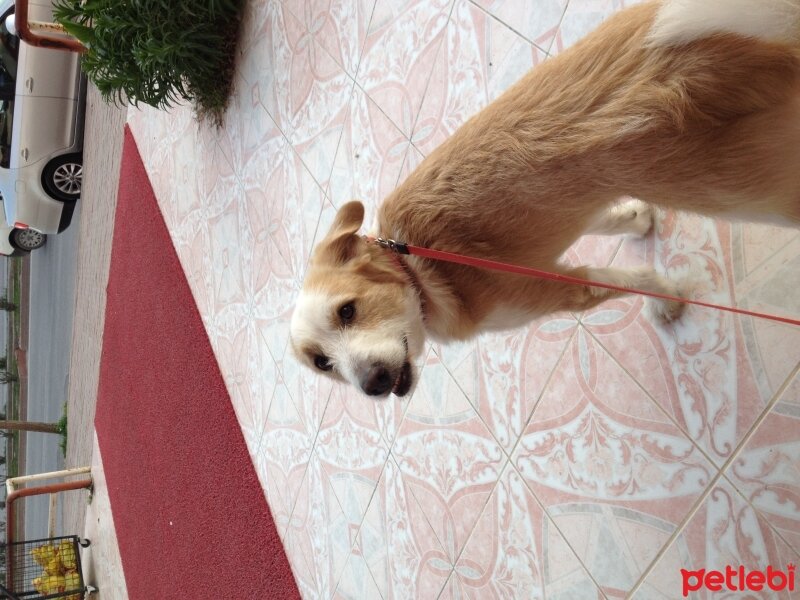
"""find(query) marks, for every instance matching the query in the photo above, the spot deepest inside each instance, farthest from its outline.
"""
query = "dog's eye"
(322, 363)
(347, 312)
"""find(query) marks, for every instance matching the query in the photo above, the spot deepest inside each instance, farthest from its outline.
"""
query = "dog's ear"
(341, 242)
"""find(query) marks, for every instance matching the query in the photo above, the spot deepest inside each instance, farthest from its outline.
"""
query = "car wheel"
(63, 176)
(27, 239)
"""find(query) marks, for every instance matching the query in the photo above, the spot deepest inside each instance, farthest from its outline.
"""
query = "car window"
(9, 51)
(6, 122)
(9, 46)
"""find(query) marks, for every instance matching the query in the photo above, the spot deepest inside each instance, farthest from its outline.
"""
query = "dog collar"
(395, 250)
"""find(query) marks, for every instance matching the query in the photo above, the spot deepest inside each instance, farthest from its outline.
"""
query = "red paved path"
(189, 512)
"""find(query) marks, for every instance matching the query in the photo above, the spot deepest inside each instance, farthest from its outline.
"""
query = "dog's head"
(357, 318)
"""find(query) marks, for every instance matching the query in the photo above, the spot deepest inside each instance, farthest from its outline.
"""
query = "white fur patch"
(681, 21)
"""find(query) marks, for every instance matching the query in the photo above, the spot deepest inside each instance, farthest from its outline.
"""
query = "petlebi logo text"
(739, 579)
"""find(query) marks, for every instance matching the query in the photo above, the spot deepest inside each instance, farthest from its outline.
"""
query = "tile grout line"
(760, 515)
(464, 393)
(326, 195)
(544, 389)
(524, 480)
(737, 230)
(720, 473)
(361, 88)
(389, 457)
(348, 108)
(510, 453)
(303, 164)
(512, 28)
(655, 402)
(507, 464)
(558, 28)
(670, 417)
(430, 76)
(360, 525)
(311, 451)
(347, 105)
(442, 546)
(413, 128)
(563, 538)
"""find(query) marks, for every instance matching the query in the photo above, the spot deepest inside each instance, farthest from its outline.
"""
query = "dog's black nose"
(377, 381)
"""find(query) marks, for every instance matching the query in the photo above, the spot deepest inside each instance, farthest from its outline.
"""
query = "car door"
(46, 99)
(48, 73)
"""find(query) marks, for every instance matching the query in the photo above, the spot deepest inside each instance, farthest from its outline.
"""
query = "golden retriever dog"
(686, 104)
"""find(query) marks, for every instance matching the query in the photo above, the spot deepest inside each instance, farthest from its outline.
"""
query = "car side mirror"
(11, 24)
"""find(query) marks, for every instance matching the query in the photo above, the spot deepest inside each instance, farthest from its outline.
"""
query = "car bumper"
(42, 212)
(14, 253)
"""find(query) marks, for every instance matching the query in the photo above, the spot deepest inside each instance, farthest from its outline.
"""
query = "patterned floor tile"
(339, 26)
(282, 212)
(399, 546)
(400, 49)
(581, 17)
(612, 470)
(724, 533)
(357, 582)
(768, 469)
(369, 158)
(766, 271)
(515, 551)
(712, 372)
(252, 378)
(479, 58)
(504, 374)
(301, 86)
(448, 457)
(321, 540)
(282, 455)
(352, 451)
(537, 21)
(251, 132)
(271, 38)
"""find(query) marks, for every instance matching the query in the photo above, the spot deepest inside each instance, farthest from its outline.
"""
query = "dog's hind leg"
(632, 217)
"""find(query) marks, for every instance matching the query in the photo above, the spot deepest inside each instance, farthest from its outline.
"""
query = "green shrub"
(157, 52)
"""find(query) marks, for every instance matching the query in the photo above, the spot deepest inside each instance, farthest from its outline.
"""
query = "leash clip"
(398, 247)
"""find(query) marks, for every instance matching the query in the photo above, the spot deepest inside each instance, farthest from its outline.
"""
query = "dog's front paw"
(668, 310)
(639, 217)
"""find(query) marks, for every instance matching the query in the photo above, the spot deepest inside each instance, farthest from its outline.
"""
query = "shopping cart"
(46, 568)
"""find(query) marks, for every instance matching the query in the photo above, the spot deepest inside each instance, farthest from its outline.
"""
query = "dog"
(692, 105)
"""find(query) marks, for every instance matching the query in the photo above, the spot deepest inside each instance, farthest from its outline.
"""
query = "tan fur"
(710, 126)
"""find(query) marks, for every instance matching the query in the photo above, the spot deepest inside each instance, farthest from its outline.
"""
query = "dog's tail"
(682, 21)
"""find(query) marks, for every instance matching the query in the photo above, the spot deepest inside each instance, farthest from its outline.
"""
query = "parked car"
(42, 108)
(18, 242)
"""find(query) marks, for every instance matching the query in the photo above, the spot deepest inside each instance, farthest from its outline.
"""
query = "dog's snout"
(377, 381)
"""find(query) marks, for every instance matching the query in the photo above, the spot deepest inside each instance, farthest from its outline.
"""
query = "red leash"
(483, 263)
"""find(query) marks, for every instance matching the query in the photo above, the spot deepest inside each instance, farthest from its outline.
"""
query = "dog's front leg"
(545, 296)
(642, 278)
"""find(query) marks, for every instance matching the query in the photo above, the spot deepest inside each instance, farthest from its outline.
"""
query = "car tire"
(63, 176)
(26, 239)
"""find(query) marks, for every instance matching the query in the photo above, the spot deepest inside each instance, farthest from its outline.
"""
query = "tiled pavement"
(586, 456)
